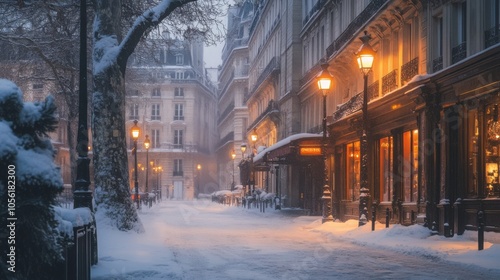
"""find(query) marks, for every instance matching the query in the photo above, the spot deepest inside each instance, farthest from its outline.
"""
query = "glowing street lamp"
(198, 168)
(146, 146)
(233, 156)
(135, 131)
(324, 80)
(365, 57)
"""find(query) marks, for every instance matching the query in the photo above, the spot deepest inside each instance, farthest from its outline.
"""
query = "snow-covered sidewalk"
(206, 240)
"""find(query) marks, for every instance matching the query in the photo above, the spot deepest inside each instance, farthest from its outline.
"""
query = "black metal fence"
(80, 252)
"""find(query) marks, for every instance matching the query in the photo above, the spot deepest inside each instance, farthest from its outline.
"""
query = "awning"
(308, 143)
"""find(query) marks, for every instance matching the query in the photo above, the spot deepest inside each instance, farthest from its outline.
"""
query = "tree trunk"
(108, 122)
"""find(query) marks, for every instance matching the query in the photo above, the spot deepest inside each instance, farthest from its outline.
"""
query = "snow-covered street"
(203, 240)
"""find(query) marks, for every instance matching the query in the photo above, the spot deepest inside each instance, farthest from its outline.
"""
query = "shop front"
(393, 159)
(296, 171)
(433, 150)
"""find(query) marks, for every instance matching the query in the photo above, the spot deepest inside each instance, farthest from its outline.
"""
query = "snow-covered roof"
(284, 142)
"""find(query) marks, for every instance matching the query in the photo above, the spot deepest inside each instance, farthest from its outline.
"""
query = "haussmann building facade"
(431, 123)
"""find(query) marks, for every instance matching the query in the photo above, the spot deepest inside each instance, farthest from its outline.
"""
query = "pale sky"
(212, 55)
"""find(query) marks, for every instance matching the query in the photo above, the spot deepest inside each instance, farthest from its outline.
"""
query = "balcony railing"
(178, 173)
(390, 82)
(352, 105)
(437, 64)
(311, 74)
(458, 52)
(409, 70)
(273, 65)
(371, 9)
(226, 112)
(492, 36)
(225, 139)
(272, 108)
(373, 90)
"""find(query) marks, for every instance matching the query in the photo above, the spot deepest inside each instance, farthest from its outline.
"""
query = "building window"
(491, 23)
(179, 112)
(352, 171)
(178, 167)
(437, 62)
(492, 152)
(459, 35)
(386, 172)
(179, 59)
(156, 92)
(472, 128)
(410, 165)
(155, 138)
(134, 112)
(155, 112)
(179, 75)
(178, 92)
(178, 135)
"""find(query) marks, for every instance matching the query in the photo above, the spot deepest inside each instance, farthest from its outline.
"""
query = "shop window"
(472, 153)
(492, 152)
(410, 165)
(352, 171)
(386, 168)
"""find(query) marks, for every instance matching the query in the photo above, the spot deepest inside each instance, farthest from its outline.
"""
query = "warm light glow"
(253, 137)
(243, 148)
(198, 167)
(324, 78)
(233, 155)
(135, 131)
(395, 106)
(147, 143)
(310, 151)
(365, 54)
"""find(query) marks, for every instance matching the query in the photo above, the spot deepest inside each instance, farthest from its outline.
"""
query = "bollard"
(386, 217)
(373, 218)
(264, 204)
(480, 230)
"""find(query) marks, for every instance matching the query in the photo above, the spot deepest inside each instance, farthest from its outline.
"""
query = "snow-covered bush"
(29, 184)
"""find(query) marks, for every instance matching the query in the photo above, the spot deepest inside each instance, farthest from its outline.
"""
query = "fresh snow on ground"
(204, 240)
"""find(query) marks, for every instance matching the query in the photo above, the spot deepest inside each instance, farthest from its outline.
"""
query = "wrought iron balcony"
(353, 28)
(390, 82)
(409, 70)
(354, 104)
(373, 90)
(437, 64)
(458, 52)
(492, 36)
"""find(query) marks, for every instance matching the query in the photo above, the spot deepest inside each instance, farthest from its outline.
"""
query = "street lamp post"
(324, 80)
(233, 156)
(198, 168)
(243, 149)
(82, 195)
(158, 185)
(146, 146)
(135, 135)
(365, 57)
(253, 137)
